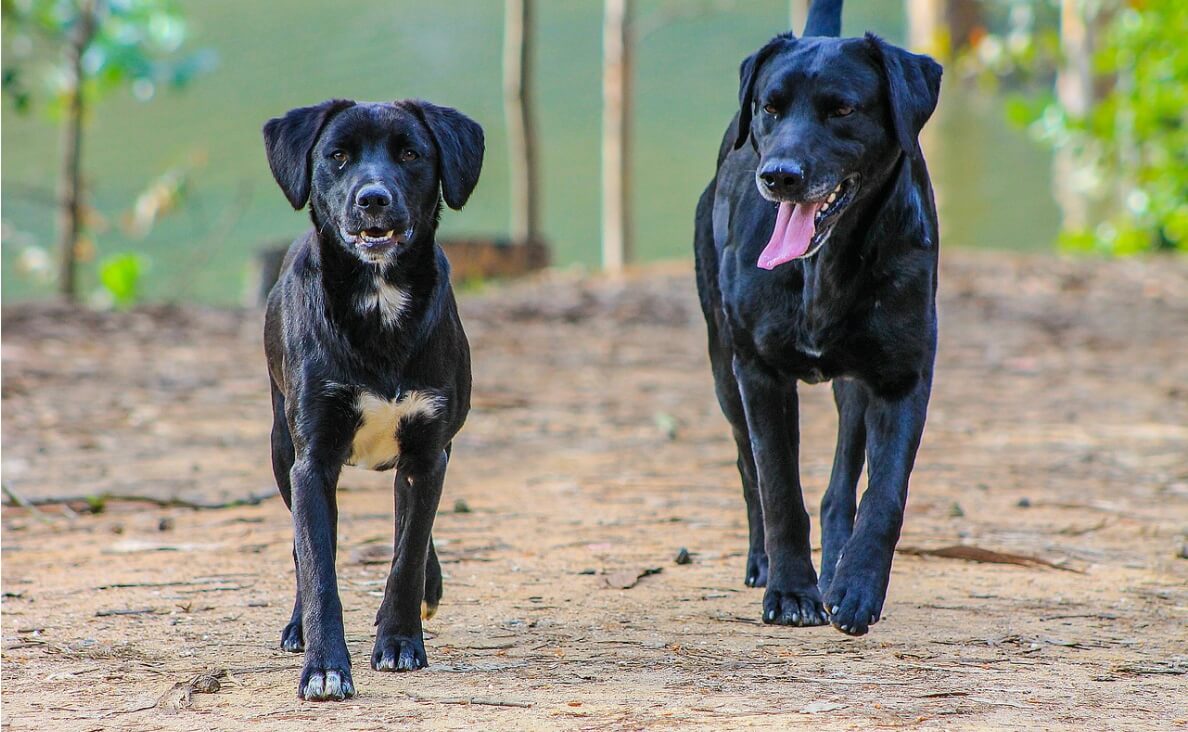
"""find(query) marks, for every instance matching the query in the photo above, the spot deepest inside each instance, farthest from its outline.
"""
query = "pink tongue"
(794, 228)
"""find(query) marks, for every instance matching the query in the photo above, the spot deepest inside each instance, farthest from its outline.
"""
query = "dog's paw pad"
(321, 684)
(397, 653)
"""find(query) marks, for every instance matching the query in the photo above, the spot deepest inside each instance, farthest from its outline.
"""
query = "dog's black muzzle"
(376, 220)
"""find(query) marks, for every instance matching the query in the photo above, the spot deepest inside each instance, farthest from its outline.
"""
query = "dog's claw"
(292, 638)
(326, 685)
(802, 609)
(855, 605)
(397, 653)
(756, 570)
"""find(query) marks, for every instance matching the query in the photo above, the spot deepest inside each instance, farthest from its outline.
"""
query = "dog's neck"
(838, 277)
(365, 300)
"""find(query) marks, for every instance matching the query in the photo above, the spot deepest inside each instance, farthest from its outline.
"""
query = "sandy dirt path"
(595, 451)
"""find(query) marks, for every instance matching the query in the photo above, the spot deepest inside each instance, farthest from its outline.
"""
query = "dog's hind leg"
(292, 639)
(433, 589)
(731, 403)
(840, 500)
(756, 575)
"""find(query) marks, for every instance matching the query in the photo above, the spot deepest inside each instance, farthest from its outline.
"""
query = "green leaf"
(121, 274)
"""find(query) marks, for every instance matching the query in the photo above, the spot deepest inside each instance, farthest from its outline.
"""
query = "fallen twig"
(253, 499)
(626, 579)
(987, 556)
(123, 585)
(470, 701)
(19, 500)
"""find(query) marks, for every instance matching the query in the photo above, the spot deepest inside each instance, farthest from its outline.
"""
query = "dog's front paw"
(325, 683)
(800, 607)
(399, 653)
(292, 638)
(756, 569)
(855, 601)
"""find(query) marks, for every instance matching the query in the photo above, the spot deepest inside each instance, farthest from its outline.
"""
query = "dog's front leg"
(399, 641)
(893, 430)
(771, 408)
(327, 670)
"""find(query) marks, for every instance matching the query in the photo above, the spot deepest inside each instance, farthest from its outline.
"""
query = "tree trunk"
(70, 180)
(616, 127)
(1078, 89)
(521, 127)
(942, 28)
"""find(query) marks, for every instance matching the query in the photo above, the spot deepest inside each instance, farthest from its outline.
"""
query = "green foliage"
(135, 44)
(1132, 147)
(1140, 130)
(117, 44)
(121, 275)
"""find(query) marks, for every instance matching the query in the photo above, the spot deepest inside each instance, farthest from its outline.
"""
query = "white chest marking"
(388, 299)
(377, 444)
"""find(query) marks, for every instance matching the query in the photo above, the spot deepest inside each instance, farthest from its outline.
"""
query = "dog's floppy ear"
(289, 140)
(913, 88)
(460, 149)
(748, 72)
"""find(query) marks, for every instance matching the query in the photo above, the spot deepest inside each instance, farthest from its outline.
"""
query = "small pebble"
(683, 557)
(1024, 502)
(461, 506)
(165, 524)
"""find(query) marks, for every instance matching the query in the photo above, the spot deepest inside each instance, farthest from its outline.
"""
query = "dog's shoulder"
(301, 261)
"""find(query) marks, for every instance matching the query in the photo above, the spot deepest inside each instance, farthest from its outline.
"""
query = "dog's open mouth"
(376, 238)
(801, 227)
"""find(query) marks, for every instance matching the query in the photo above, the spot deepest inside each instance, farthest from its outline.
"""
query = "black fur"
(368, 170)
(858, 308)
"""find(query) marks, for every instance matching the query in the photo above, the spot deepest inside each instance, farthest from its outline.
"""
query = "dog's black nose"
(782, 175)
(373, 197)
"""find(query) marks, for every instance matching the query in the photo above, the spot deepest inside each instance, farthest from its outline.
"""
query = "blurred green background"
(992, 181)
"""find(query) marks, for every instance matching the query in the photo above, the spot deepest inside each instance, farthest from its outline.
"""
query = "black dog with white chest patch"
(816, 247)
(367, 357)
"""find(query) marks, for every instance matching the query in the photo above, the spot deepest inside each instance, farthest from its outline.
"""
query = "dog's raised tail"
(824, 18)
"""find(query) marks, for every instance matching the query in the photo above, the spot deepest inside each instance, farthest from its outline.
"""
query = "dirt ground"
(595, 451)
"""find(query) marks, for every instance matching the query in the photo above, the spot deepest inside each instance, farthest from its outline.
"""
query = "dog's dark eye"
(340, 156)
(843, 111)
(770, 108)
(409, 155)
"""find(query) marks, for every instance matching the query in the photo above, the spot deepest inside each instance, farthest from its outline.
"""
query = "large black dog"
(367, 357)
(816, 247)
